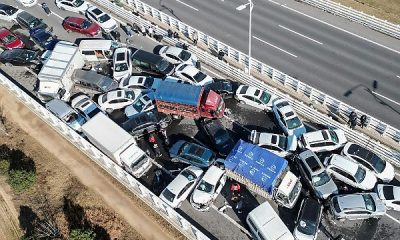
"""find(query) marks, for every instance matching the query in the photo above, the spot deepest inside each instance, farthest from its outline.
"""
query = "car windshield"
(205, 187)
(283, 142)
(184, 55)
(104, 18)
(105, 83)
(265, 97)
(8, 39)
(320, 179)
(293, 123)
(221, 137)
(306, 227)
(10, 10)
(28, 55)
(360, 174)
(86, 24)
(168, 195)
(78, 3)
(369, 202)
(33, 24)
(148, 82)
(378, 164)
(199, 76)
(162, 65)
(189, 175)
(93, 112)
(119, 67)
(334, 136)
(130, 94)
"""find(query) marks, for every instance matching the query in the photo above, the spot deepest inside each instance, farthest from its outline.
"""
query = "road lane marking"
(393, 218)
(187, 5)
(304, 36)
(338, 28)
(380, 95)
(216, 74)
(275, 46)
(244, 230)
(52, 12)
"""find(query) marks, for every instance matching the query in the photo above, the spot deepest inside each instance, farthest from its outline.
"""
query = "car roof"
(190, 70)
(316, 136)
(76, 20)
(26, 16)
(253, 90)
(351, 201)
(269, 138)
(60, 107)
(344, 163)
(312, 161)
(173, 50)
(213, 174)
(213, 125)
(311, 210)
(147, 56)
(177, 184)
(5, 6)
(14, 53)
(355, 149)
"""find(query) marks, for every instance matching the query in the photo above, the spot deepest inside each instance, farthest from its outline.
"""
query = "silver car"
(316, 176)
(357, 206)
(278, 144)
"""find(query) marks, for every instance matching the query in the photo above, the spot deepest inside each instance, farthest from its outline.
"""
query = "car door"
(182, 195)
(219, 186)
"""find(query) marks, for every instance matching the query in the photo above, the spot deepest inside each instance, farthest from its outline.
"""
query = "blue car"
(192, 153)
(44, 39)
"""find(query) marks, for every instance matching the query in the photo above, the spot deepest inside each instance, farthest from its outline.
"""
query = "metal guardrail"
(168, 213)
(339, 108)
(353, 15)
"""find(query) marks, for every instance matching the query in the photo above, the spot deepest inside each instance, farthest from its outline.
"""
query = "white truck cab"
(288, 191)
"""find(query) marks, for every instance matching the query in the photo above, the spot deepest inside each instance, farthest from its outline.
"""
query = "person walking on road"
(150, 31)
(46, 8)
(352, 120)
(195, 37)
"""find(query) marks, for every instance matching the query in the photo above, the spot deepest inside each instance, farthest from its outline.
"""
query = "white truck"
(264, 173)
(117, 144)
(55, 76)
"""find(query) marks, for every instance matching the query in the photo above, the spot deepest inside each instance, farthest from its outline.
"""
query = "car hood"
(16, 44)
(173, 151)
(201, 197)
(388, 173)
(119, 76)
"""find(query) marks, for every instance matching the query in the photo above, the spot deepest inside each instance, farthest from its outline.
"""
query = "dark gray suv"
(30, 22)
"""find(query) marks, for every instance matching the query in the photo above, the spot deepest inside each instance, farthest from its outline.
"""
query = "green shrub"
(21, 180)
(4, 166)
(81, 234)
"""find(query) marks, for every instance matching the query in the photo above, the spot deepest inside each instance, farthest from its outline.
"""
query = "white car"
(179, 189)
(208, 188)
(350, 172)
(85, 106)
(323, 140)
(254, 97)
(176, 55)
(28, 3)
(287, 118)
(143, 104)
(381, 168)
(147, 82)
(190, 73)
(278, 144)
(122, 66)
(390, 195)
(105, 21)
(8, 13)
(118, 99)
(78, 6)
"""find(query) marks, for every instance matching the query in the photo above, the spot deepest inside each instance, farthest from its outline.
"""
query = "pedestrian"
(150, 31)
(46, 8)
(352, 120)
(363, 121)
(235, 188)
(195, 37)
(221, 54)
(128, 30)
(143, 30)
(135, 28)
(170, 33)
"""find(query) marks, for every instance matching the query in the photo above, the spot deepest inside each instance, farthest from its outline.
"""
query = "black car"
(7, 11)
(151, 63)
(20, 57)
(308, 220)
(223, 87)
(145, 122)
(218, 135)
(30, 22)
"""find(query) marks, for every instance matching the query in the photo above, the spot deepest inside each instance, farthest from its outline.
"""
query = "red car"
(9, 40)
(81, 25)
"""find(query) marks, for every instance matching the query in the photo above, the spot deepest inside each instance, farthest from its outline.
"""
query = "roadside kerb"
(335, 108)
(353, 15)
(169, 214)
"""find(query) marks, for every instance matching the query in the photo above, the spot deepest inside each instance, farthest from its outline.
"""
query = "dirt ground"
(67, 181)
(385, 9)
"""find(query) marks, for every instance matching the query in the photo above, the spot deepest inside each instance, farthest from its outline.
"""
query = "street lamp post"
(239, 8)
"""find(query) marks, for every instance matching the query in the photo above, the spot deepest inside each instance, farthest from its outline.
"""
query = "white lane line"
(394, 219)
(187, 5)
(52, 12)
(216, 74)
(304, 36)
(380, 95)
(244, 230)
(338, 28)
(275, 46)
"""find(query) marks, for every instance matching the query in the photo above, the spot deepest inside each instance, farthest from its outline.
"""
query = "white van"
(96, 50)
(265, 224)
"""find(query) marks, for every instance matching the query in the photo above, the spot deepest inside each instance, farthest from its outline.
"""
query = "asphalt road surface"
(215, 224)
(340, 58)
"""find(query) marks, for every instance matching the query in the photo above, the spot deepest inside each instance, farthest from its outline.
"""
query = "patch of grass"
(21, 180)
(82, 234)
(4, 166)
(383, 9)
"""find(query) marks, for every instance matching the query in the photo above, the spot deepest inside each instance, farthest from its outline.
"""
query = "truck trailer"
(263, 172)
(117, 144)
(187, 100)
(55, 76)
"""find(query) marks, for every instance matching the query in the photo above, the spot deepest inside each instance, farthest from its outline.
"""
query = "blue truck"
(263, 172)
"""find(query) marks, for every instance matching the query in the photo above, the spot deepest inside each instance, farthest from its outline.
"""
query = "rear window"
(312, 163)
(243, 90)
(97, 11)
(274, 139)
(282, 104)
(120, 56)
